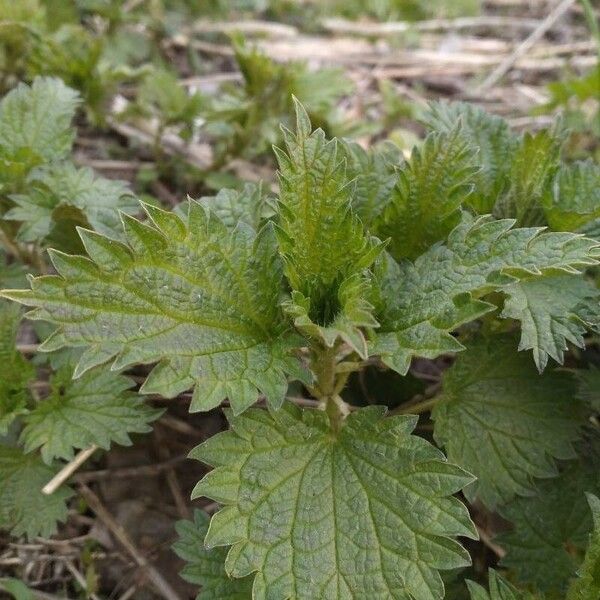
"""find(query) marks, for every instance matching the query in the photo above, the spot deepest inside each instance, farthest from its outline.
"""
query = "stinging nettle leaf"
(35, 122)
(250, 114)
(24, 508)
(587, 584)
(197, 298)
(97, 199)
(499, 589)
(365, 512)
(493, 139)
(324, 246)
(251, 205)
(501, 421)
(15, 371)
(551, 529)
(432, 186)
(572, 203)
(205, 566)
(94, 409)
(552, 311)
(589, 387)
(418, 304)
(535, 162)
(374, 175)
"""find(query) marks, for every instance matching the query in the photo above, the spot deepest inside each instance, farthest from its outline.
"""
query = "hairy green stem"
(30, 256)
(329, 384)
(415, 409)
(10, 246)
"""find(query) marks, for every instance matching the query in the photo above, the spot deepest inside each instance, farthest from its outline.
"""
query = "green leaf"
(319, 90)
(589, 387)
(206, 567)
(94, 409)
(551, 529)
(15, 371)
(353, 313)
(552, 312)
(535, 163)
(250, 205)
(24, 509)
(500, 589)
(324, 247)
(16, 588)
(366, 512)
(418, 304)
(249, 115)
(573, 201)
(35, 122)
(501, 421)
(493, 139)
(587, 585)
(431, 188)
(50, 192)
(198, 298)
(374, 175)
(582, 88)
(162, 95)
(12, 274)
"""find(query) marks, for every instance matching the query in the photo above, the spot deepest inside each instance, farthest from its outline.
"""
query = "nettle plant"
(43, 194)
(364, 262)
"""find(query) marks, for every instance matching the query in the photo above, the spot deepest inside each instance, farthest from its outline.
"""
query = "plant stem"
(329, 385)
(324, 365)
(415, 409)
(10, 246)
(337, 410)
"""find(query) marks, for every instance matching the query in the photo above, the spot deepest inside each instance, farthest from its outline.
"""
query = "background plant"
(451, 284)
(347, 299)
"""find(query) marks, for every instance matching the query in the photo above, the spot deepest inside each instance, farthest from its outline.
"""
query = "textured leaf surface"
(535, 163)
(432, 185)
(320, 240)
(364, 513)
(589, 387)
(493, 139)
(501, 421)
(35, 122)
(573, 201)
(98, 199)
(587, 584)
(323, 245)
(250, 205)
(15, 371)
(24, 509)
(206, 567)
(420, 303)
(198, 298)
(374, 175)
(551, 529)
(94, 409)
(552, 312)
(499, 589)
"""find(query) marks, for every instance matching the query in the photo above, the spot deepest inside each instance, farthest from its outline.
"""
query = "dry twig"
(120, 534)
(336, 25)
(68, 470)
(505, 66)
